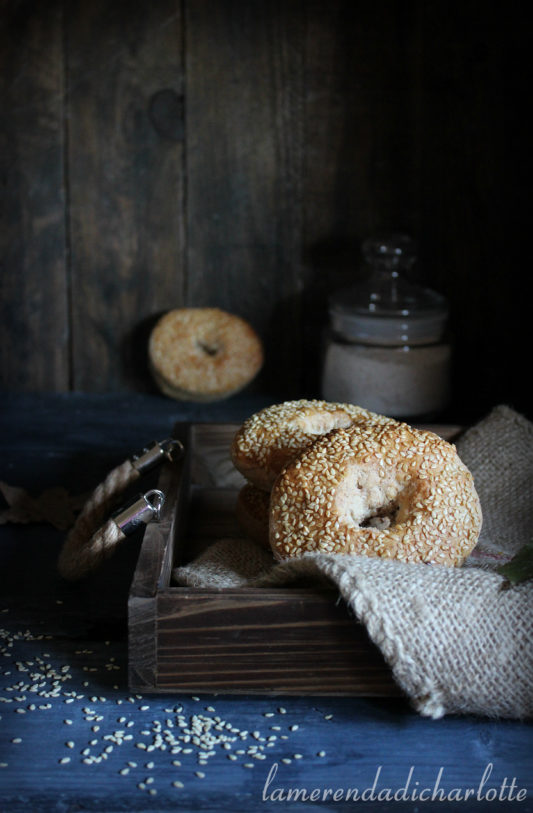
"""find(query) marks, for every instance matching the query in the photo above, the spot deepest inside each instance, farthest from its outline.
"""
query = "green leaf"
(520, 568)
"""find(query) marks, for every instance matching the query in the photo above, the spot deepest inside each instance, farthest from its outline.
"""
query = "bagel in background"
(203, 354)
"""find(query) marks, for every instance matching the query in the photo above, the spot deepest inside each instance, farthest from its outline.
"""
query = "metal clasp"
(170, 449)
(145, 509)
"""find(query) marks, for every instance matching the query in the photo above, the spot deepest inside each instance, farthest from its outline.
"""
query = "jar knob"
(390, 251)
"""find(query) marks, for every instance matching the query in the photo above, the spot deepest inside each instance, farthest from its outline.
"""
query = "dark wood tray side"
(153, 570)
(289, 641)
(249, 640)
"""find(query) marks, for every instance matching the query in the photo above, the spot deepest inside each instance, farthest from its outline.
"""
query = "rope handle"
(95, 535)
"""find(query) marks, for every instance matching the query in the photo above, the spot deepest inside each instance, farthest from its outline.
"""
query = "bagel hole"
(364, 499)
(206, 347)
(384, 517)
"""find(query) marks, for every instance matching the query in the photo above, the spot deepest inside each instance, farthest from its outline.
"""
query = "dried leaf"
(54, 506)
(520, 568)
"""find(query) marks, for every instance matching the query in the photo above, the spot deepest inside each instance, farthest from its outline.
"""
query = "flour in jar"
(395, 381)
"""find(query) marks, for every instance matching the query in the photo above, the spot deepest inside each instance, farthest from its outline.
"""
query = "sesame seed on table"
(73, 736)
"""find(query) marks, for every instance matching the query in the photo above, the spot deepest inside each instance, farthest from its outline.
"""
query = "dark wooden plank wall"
(34, 310)
(236, 153)
(125, 181)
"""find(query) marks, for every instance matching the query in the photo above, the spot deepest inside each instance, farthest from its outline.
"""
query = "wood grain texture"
(157, 552)
(245, 111)
(471, 211)
(465, 88)
(126, 183)
(142, 641)
(266, 641)
(359, 155)
(34, 337)
(197, 152)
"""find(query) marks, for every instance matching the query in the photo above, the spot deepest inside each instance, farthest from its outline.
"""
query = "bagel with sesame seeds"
(383, 490)
(272, 437)
(203, 354)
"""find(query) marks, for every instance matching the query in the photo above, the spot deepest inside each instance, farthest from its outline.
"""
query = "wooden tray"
(247, 640)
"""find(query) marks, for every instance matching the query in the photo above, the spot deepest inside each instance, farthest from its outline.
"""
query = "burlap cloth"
(457, 640)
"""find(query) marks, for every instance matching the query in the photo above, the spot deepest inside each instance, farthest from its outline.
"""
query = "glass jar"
(386, 348)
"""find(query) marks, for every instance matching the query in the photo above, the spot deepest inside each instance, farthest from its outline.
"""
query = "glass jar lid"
(386, 308)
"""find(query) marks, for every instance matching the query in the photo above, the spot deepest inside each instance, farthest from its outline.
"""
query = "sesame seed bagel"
(268, 440)
(203, 354)
(388, 491)
(252, 512)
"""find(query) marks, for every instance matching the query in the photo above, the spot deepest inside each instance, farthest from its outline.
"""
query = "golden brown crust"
(386, 490)
(252, 512)
(203, 354)
(268, 440)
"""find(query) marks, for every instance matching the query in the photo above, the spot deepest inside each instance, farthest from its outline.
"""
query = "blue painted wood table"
(72, 735)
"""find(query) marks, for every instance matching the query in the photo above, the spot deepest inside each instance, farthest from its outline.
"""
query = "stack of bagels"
(335, 478)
